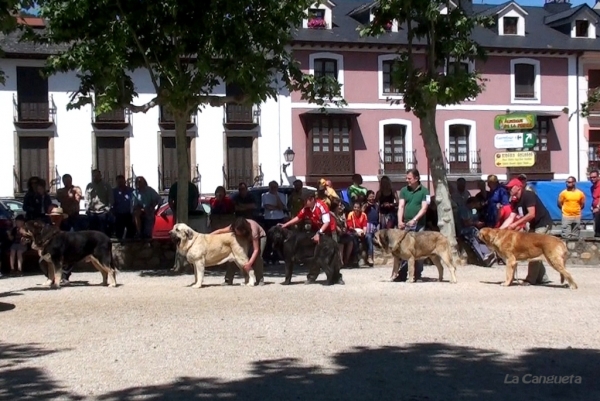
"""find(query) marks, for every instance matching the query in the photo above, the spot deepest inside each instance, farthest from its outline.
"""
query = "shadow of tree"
(27, 383)
(416, 372)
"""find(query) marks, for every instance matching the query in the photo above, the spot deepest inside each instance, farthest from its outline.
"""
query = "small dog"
(514, 246)
(412, 246)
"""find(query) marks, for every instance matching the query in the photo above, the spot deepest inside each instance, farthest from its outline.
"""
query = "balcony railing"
(118, 116)
(465, 164)
(167, 118)
(241, 114)
(22, 175)
(41, 112)
(167, 177)
(397, 164)
(594, 107)
(232, 177)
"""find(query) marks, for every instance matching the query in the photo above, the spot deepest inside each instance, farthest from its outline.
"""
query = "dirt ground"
(154, 338)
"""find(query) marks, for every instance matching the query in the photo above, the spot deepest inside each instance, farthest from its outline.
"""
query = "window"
(394, 148)
(169, 169)
(582, 28)
(239, 161)
(316, 19)
(387, 67)
(510, 25)
(525, 81)
(594, 150)
(462, 66)
(33, 160)
(326, 68)
(110, 158)
(458, 148)
(32, 95)
(543, 128)
(328, 64)
(330, 146)
(316, 13)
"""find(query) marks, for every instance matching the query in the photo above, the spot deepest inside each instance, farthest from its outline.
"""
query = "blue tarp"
(548, 193)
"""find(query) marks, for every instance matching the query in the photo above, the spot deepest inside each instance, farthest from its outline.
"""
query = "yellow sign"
(514, 159)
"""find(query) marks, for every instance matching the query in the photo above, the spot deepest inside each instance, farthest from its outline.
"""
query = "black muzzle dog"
(297, 247)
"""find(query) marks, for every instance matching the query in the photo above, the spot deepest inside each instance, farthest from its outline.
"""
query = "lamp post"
(288, 155)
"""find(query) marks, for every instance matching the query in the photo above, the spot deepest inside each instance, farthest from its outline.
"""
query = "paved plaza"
(154, 338)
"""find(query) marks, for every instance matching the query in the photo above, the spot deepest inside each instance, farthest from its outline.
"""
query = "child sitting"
(17, 247)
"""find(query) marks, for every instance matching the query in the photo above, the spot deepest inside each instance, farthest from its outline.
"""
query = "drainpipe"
(279, 129)
(578, 120)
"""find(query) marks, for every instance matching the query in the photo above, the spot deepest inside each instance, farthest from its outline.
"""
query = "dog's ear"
(189, 233)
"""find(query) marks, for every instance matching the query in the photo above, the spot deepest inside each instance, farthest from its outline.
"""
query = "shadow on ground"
(416, 372)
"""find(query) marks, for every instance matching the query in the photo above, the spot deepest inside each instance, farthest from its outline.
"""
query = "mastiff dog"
(515, 246)
(204, 250)
(297, 247)
(412, 246)
(58, 248)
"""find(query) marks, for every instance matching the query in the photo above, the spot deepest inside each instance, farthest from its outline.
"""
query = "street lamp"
(289, 158)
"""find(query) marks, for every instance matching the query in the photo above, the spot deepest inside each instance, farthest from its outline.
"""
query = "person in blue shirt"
(121, 209)
(497, 197)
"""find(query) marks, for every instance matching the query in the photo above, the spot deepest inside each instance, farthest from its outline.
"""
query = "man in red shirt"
(595, 190)
(317, 212)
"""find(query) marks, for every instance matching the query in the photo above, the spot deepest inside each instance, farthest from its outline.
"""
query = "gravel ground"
(154, 338)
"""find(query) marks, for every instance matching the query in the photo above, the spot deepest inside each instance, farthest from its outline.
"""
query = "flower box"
(317, 23)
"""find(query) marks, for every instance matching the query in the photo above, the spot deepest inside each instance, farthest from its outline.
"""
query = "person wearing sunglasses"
(571, 202)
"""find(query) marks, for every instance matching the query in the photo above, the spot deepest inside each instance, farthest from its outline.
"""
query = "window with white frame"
(525, 81)
(328, 65)
(582, 28)
(454, 66)
(394, 148)
(387, 89)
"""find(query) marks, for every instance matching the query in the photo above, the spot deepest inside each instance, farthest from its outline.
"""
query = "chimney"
(557, 6)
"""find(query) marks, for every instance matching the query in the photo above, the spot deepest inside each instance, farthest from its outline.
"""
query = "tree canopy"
(428, 73)
(187, 47)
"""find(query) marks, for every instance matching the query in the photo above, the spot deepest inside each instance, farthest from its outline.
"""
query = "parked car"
(165, 219)
(14, 205)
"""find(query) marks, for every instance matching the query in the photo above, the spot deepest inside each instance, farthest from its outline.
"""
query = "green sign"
(514, 121)
(529, 140)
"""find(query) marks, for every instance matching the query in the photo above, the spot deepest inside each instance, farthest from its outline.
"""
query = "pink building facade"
(372, 137)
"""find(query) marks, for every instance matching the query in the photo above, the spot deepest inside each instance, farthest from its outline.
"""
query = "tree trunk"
(437, 167)
(183, 167)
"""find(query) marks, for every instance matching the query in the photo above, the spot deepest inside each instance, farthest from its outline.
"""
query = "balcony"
(594, 108)
(396, 169)
(253, 177)
(241, 116)
(35, 114)
(113, 120)
(167, 121)
(167, 177)
(465, 166)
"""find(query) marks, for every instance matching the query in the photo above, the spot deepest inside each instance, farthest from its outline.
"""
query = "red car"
(165, 219)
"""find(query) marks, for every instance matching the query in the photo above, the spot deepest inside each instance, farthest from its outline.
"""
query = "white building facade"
(40, 137)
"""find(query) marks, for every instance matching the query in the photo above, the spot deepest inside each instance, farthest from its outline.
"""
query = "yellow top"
(572, 202)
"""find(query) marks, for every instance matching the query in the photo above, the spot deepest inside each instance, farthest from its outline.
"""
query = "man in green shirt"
(412, 208)
(356, 191)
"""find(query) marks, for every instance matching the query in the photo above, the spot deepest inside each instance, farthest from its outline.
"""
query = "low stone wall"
(160, 254)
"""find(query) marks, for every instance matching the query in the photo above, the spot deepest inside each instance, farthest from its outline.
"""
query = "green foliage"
(187, 47)
(445, 39)
(592, 100)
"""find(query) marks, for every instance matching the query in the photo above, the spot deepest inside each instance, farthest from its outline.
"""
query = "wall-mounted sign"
(514, 159)
(514, 140)
(514, 121)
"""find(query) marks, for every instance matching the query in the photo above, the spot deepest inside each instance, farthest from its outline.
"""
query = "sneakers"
(65, 283)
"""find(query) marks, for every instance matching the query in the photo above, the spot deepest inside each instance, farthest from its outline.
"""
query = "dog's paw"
(113, 285)
(505, 284)
(47, 283)
(286, 282)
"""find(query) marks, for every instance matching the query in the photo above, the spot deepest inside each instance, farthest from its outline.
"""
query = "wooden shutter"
(169, 168)
(110, 157)
(239, 161)
(33, 160)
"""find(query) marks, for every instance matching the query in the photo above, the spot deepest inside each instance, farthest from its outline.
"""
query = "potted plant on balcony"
(317, 23)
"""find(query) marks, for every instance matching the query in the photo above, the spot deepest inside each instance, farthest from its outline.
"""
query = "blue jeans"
(369, 242)
(98, 222)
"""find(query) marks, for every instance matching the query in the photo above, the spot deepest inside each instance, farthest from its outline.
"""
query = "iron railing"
(232, 177)
(20, 181)
(469, 163)
(397, 164)
(43, 111)
(241, 114)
